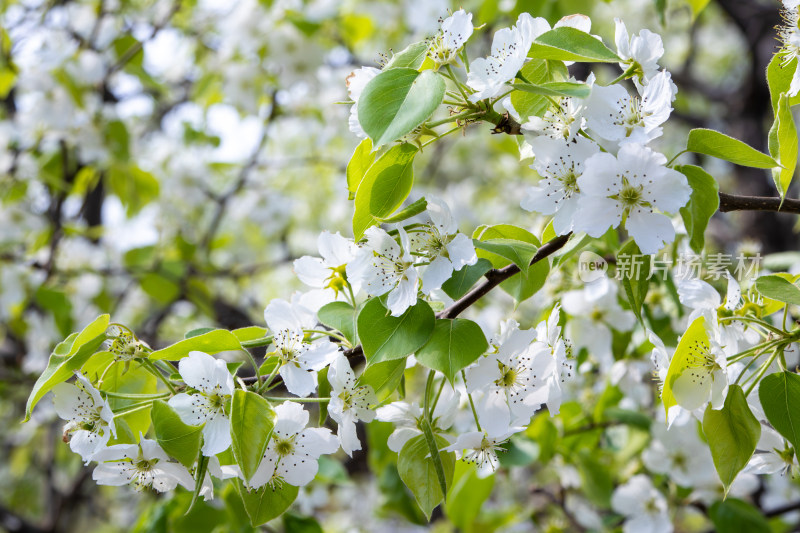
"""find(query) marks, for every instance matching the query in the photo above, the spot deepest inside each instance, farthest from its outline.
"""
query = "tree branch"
(730, 202)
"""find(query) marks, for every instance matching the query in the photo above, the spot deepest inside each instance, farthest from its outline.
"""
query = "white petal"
(348, 436)
(317, 441)
(400, 436)
(193, 409)
(595, 215)
(404, 295)
(493, 413)
(311, 271)
(205, 373)
(298, 381)
(692, 388)
(335, 249)
(651, 231)
(436, 273)
(291, 418)
(114, 474)
(297, 469)
(216, 435)
(461, 251)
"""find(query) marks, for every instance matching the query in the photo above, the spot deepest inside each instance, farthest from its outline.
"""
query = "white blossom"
(644, 508)
(480, 448)
(383, 266)
(406, 416)
(293, 449)
(90, 420)
(632, 186)
(640, 53)
(329, 271)
(145, 464)
(455, 31)
(213, 385)
(349, 403)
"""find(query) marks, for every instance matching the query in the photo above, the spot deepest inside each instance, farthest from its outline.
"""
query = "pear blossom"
(329, 271)
(639, 53)
(548, 334)
(631, 185)
(455, 31)
(562, 120)
(384, 266)
(560, 164)
(441, 244)
(145, 464)
(513, 379)
(679, 453)
(615, 116)
(293, 449)
(349, 403)
(213, 386)
(356, 82)
(480, 448)
(406, 417)
(90, 420)
(488, 75)
(594, 310)
(789, 35)
(644, 507)
(773, 454)
(299, 360)
(705, 378)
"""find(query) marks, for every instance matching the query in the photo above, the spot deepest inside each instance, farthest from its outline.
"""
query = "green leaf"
(736, 516)
(569, 44)
(518, 252)
(454, 344)
(681, 360)
(778, 288)
(197, 331)
(357, 167)
(264, 504)
(597, 482)
(252, 420)
(384, 188)
(398, 100)
(702, 204)
(134, 187)
(179, 440)
(462, 280)
(412, 210)
(467, 495)
(385, 337)
(635, 289)
(556, 89)
(126, 378)
(249, 333)
(342, 317)
(293, 523)
(384, 377)
(323, 391)
(716, 144)
(697, 6)
(783, 145)
(538, 72)
(780, 398)
(732, 434)
(212, 342)
(68, 356)
(628, 417)
(779, 79)
(411, 56)
(418, 472)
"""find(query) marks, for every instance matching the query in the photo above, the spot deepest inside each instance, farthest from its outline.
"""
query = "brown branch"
(730, 202)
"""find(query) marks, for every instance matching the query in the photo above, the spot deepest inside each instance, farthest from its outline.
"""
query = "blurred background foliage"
(166, 161)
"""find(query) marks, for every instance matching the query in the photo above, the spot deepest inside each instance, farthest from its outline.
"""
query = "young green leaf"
(537, 72)
(681, 360)
(398, 100)
(179, 440)
(780, 398)
(454, 344)
(779, 80)
(736, 516)
(570, 44)
(520, 287)
(411, 56)
(783, 145)
(556, 89)
(462, 280)
(266, 503)
(466, 496)
(211, 342)
(68, 356)
(418, 472)
(383, 377)
(384, 188)
(252, 421)
(714, 143)
(702, 204)
(778, 288)
(342, 317)
(412, 210)
(634, 276)
(357, 167)
(385, 337)
(518, 252)
(732, 434)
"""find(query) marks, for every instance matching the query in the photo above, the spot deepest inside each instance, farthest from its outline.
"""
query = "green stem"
(757, 321)
(257, 343)
(624, 75)
(445, 134)
(466, 114)
(455, 80)
(669, 163)
(150, 367)
(255, 366)
(269, 379)
(302, 400)
(136, 396)
(762, 371)
(134, 408)
(329, 333)
(471, 403)
(436, 399)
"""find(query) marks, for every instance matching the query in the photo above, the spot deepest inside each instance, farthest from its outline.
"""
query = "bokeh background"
(166, 161)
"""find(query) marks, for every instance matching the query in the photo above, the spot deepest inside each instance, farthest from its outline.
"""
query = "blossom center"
(285, 446)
